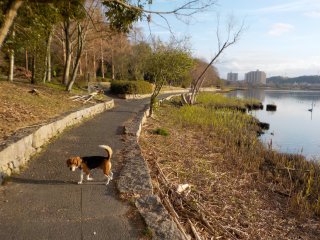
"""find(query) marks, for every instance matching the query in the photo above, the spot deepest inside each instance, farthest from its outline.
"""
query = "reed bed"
(240, 189)
(220, 101)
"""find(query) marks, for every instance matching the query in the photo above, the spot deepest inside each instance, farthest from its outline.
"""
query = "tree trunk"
(66, 72)
(102, 60)
(86, 67)
(63, 43)
(94, 67)
(49, 68)
(45, 69)
(198, 83)
(8, 19)
(27, 62)
(156, 91)
(11, 58)
(67, 64)
(33, 78)
(80, 68)
(11, 66)
(77, 60)
(112, 66)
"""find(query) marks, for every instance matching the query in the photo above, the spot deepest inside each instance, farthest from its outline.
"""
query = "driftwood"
(194, 231)
(84, 98)
(189, 207)
(173, 213)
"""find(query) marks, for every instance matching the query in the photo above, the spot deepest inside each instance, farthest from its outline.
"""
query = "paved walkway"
(44, 202)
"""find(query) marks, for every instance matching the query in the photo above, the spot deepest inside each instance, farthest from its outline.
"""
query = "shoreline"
(238, 169)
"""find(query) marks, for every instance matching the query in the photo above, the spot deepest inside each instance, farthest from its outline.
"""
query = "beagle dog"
(85, 164)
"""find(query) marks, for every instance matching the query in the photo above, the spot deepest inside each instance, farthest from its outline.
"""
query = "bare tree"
(233, 33)
(82, 30)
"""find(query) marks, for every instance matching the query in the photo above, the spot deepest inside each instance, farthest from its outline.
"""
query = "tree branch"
(186, 6)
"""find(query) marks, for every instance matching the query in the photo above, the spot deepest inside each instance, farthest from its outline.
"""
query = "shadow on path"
(40, 181)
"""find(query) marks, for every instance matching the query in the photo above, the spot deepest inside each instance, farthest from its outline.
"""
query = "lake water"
(293, 129)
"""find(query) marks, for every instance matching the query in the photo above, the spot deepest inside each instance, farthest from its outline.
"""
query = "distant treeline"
(296, 80)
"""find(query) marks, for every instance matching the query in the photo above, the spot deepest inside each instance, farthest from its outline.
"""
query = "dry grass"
(19, 108)
(230, 187)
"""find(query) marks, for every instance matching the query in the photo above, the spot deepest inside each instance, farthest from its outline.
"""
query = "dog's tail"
(108, 149)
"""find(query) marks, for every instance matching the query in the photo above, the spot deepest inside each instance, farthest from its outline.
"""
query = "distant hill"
(302, 80)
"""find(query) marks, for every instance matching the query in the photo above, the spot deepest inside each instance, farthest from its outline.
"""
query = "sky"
(281, 37)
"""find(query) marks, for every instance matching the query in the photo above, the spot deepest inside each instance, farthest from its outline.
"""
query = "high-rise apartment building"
(232, 76)
(256, 77)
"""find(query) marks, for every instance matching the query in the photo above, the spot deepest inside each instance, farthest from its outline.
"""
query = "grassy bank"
(21, 108)
(240, 189)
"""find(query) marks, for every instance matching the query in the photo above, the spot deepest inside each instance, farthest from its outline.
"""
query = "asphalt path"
(45, 201)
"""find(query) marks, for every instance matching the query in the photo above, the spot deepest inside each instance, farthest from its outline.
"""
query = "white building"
(256, 77)
(232, 76)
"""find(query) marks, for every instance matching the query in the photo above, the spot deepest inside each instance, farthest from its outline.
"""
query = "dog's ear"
(69, 162)
(78, 161)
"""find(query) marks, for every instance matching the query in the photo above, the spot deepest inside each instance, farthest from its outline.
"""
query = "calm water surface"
(293, 129)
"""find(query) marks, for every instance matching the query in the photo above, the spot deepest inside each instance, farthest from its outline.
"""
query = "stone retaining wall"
(19, 148)
(135, 180)
(141, 96)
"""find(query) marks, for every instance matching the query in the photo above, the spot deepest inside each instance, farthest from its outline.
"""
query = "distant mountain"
(296, 80)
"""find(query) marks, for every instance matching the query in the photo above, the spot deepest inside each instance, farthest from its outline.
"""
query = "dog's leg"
(108, 179)
(81, 177)
(107, 171)
(89, 178)
(87, 171)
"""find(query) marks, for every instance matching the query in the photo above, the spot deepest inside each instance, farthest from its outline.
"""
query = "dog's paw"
(89, 179)
(79, 182)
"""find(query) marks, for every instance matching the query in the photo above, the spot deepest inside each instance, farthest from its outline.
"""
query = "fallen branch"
(192, 204)
(34, 92)
(84, 98)
(194, 231)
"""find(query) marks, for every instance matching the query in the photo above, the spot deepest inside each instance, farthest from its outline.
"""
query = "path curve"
(44, 201)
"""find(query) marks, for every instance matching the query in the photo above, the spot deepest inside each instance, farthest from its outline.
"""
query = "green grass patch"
(148, 233)
(220, 101)
(131, 87)
(161, 131)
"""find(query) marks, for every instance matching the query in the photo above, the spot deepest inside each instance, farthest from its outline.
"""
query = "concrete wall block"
(29, 150)
(8, 172)
(41, 135)
(20, 149)
(78, 115)
(4, 168)
(10, 166)
(51, 130)
(16, 164)
(7, 155)
(110, 104)
(101, 107)
(70, 118)
(23, 149)
(59, 125)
